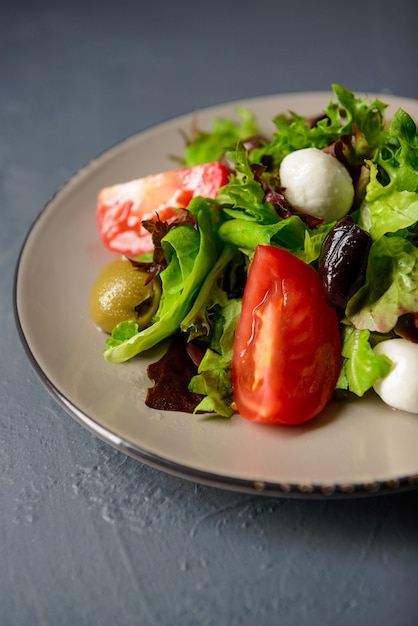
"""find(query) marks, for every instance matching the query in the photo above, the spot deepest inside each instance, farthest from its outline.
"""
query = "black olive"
(407, 327)
(343, 261)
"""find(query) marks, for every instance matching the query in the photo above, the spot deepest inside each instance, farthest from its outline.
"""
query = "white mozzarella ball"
(399, 389)
(317, 183)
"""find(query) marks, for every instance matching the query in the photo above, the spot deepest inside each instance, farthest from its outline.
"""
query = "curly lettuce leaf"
(363, 117)
(386, 209)
(391, 200)
(350, 115)
(209, 146)
(244, 194)
(398, 155)
(122, 332)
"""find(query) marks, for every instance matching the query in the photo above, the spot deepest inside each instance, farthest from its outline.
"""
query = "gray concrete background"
(87, 535)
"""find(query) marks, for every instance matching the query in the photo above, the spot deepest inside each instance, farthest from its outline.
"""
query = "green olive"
(121, 293)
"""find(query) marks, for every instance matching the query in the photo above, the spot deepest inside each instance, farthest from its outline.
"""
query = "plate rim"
(311, 490)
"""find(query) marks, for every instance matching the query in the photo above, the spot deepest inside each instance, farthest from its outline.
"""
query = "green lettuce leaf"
(391, 200)
(197, 323)
(391, 286)
(245, 194)
(361, 367)
(288, 233)
(209, 146)
(360, 117)
(252, 221)
(181, 246)
(213, 379)
(398, 155)
(182, 280)
(314, 239)
(386, 209)
(363, 117)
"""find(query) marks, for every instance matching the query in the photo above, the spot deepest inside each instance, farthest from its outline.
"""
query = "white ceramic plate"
(356, 447)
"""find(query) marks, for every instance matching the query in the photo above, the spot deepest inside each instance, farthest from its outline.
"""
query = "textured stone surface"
(89, 536)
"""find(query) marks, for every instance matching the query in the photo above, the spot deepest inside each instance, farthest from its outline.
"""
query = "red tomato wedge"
(122, 207)
(286, 357)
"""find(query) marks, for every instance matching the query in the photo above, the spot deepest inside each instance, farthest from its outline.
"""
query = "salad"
(282, 271)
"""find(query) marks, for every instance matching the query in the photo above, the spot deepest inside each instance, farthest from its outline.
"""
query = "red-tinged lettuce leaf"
(171, 376)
